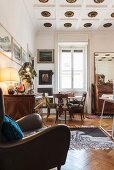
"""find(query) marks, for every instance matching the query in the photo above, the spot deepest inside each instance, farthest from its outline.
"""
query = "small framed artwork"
(45, 76)
(17, 52)
(24, 56)
(29, 55)
(5, 42)
(45, 56)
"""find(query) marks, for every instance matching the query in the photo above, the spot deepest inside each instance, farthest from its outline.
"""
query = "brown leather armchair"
(43, 150)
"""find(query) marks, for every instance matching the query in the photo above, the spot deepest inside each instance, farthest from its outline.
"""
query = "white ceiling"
(81, 8)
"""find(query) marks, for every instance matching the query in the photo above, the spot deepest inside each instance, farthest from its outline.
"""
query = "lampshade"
(9, 74)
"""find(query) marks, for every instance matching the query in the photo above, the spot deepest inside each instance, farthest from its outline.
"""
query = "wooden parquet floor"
(87, 159)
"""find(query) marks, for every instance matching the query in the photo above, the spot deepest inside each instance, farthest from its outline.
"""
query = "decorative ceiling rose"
(98, 1)
(43, 1)
(112, 15)
(47, 24)
(45, 14)
(71, 1)
(107, 54)
(92, 14)
(67, 25)
(107, 25)
(69, 14)
(87, 25)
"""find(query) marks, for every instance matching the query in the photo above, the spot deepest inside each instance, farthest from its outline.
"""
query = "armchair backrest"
(83, 99)
(2, 109)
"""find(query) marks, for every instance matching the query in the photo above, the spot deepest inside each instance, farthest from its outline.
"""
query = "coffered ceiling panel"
(62, 15)
(78, 3)
(39, 11)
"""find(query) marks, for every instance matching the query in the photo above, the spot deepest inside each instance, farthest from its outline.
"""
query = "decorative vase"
(28, 86)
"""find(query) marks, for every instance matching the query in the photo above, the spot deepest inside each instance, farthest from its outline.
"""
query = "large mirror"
(103, 86)
(104, 67)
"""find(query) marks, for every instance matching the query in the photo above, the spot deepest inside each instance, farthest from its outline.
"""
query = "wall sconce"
(10, 76)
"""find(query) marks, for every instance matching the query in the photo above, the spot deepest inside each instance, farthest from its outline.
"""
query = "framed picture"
(45, 90)
(29, 55)
(45, 76)
(45, 56)
(5, 42)
(24, 56)
(17, 52)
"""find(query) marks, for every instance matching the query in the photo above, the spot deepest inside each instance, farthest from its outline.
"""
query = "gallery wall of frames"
(12, 49)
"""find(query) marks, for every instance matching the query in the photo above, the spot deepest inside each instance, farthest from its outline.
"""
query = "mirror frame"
(107, 54)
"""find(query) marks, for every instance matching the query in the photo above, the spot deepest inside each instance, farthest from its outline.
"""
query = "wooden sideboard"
(98, 91)
(18, 106)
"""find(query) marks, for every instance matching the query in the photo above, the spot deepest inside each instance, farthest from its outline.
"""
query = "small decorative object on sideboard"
(20, 89)
(27, 74)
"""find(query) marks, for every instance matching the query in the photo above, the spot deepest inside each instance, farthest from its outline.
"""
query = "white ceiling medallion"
(45, 14)
(92, 14)
(47, 24)
(69, 14)
(71, 1)
(98, 1)
(67, 25)
(107, 25)
(87, 25)
(43, 1)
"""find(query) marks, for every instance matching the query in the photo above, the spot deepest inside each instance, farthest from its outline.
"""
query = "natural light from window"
(72, 68)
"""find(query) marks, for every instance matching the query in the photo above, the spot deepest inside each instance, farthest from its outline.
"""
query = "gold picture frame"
(17, 52)
(24, 56)
(5, 42)
(45, 56)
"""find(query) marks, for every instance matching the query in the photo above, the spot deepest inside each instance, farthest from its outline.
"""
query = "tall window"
(72, 69)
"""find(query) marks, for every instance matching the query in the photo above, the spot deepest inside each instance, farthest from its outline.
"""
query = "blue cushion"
(11, 130)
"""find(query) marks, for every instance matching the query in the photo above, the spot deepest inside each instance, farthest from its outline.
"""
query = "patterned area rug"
(90, 138)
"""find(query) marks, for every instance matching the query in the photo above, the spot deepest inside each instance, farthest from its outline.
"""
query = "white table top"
(72, 97)
(107, 99)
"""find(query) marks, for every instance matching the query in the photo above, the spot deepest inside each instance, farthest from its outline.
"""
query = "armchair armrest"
(30, 122)
(46, 149)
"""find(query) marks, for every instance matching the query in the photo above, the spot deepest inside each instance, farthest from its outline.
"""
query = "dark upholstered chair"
(43, 150)
(78, 106)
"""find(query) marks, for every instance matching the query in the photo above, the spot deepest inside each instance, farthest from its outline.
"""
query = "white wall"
(44, 41)
(97, 42)
(15, 19)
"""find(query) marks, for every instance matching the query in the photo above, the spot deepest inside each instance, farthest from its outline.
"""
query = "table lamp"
(10, 76)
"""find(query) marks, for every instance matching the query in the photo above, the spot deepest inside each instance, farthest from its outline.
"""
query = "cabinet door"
(17, 107)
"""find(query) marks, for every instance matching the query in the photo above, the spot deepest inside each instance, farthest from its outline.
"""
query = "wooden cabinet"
(98, 91)
(18, 106)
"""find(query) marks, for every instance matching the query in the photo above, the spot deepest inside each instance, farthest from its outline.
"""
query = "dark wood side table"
(18, 106)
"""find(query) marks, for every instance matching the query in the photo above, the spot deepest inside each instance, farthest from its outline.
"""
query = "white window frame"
(76, 47)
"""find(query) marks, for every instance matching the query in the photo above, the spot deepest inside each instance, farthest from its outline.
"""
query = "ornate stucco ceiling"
(71, 15)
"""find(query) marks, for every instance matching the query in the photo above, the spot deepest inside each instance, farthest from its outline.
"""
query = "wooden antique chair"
(62, 106)
(78, 106)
